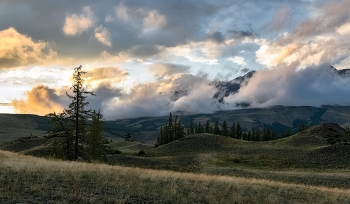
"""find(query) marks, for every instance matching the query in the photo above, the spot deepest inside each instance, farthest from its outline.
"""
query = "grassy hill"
(145, 129)
(203, 168)
(26, 179)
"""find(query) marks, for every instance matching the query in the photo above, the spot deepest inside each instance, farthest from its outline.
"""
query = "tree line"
(77, 132)
(175, 130)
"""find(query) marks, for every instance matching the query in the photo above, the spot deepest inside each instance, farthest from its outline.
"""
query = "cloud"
(144, 100)
(103, 75)
(145, 51)
(217, 37)
(154, 20)
(344, 29)
(280, 20)
(238, 34)
(102, 35)
(40, 100)
(77, 24)
(122, 11)
(106, 57)
(17, 49)
(167, 70)
(245, 70)
(332, 16)
(312, 86)
(238, 60)
(202, 51)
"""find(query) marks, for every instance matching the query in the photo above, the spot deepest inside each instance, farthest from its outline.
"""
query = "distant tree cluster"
(233, 131)
(172, 131)
(77, 132)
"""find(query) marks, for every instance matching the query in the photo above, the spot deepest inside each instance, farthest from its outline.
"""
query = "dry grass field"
(26, 179)
(204, 168)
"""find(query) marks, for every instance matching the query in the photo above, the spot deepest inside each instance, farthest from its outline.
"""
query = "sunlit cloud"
(17, 49)
(146, 58)
(102, 35)
(105, 75)
(167, 70)
(154, 20)
(76, 24)
(40, 100)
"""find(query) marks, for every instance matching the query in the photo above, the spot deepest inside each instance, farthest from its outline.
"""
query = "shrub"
(117, 151)
(141, 152)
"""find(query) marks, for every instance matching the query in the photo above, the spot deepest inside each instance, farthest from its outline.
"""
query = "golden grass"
(35, 180)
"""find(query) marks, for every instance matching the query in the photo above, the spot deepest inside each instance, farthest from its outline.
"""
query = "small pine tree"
(233, 133)
(249, 135)
(216, 130)
(181, 130)
(191, 127)
(96, 143)
(238, 131)
(224, 129)
(207, 127)
(128, 137)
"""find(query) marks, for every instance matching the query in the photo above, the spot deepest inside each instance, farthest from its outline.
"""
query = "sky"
(137, 53)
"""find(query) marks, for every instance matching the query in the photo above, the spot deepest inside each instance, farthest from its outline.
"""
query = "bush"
(117, 151)
(141, 152)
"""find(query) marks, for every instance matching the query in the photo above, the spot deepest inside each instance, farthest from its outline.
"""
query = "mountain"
(345, 73)
(278, 118)
(224, 89)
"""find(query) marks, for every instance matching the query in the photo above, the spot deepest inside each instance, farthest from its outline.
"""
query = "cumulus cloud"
(40, 100)
(332, 16)
(201, 51)
(103, 75)
(154, 20)
(316, 41)
(76, 24)
(313, 86)
(17, 49)
(102, 35)
(122, 11)
(106, 57)
(167, 70)
(238, 60)
(344, 29)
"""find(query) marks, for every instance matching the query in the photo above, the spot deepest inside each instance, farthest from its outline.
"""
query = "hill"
(145, 129)
(27, 179)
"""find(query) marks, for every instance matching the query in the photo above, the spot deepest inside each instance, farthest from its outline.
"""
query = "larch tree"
(71, 127)
(96, 143)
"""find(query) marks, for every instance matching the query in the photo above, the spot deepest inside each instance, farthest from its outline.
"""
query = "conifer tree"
(233, 133)
(191, 127)
(238, 131)
(216, 129)
(96, 143)
(170, 128)
(207, 127)
(224, 129)
(180, 131)
(72, 123)
(249, 135)
(160, 137)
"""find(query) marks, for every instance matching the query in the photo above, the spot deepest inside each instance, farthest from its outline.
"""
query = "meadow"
(203, 168)
(26, 179)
